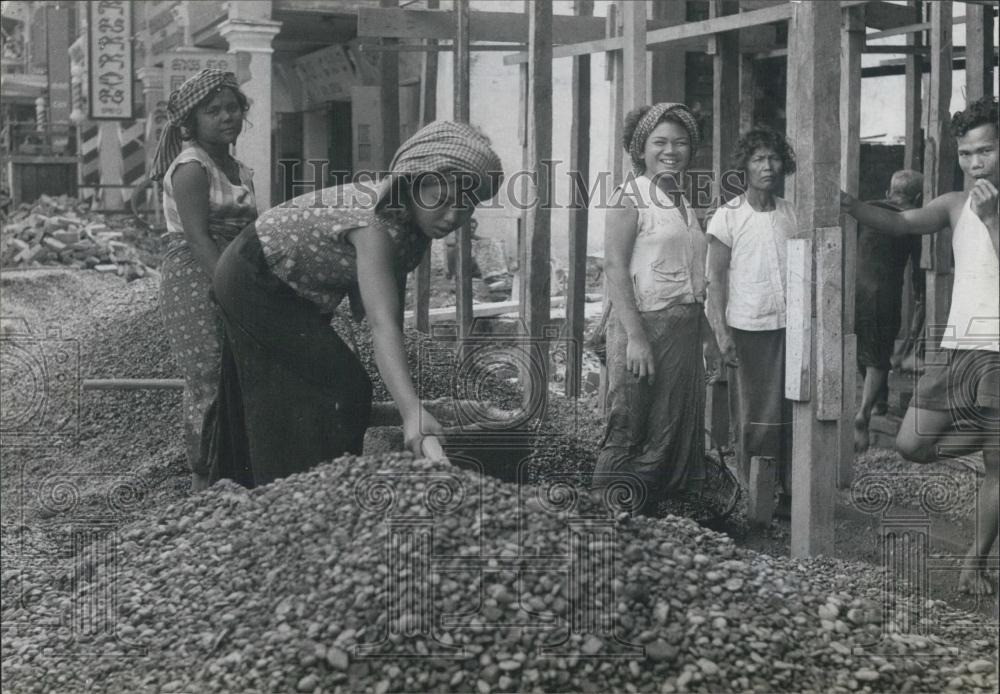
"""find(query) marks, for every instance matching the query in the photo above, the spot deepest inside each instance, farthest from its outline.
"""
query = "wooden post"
(389, 95)
(667, 66)
(634, 53)
(939, 170)
(978, 56)
(579, 166)
(762, 486)
(747, 92)
(725, 96)
(978, 51)
(463, 266)
(537, 231)
(428, 113)
(615, 159)
(914, 146)
(914, 71)
(619, 106)
(814, 84)
(852, 43)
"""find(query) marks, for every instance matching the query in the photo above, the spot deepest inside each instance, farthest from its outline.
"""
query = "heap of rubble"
(61, 231)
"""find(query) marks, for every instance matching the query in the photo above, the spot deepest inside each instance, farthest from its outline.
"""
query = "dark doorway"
(289, 143)
(341, 147)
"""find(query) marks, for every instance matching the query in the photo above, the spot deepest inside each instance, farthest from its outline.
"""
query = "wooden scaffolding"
(825, 42)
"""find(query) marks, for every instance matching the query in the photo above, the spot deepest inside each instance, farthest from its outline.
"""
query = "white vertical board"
(798, 329)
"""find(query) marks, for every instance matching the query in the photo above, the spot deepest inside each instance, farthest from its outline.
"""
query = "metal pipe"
(132, 384)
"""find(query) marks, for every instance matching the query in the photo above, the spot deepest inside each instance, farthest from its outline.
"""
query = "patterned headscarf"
(648, 123)
(180, 105)
(445, 146)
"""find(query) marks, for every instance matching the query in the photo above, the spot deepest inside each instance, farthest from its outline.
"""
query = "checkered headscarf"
(182, 102)
(445, 146)
(648, 123)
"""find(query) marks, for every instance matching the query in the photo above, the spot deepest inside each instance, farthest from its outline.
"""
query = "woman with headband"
(208, 199)
(654, 439)
(292, 393)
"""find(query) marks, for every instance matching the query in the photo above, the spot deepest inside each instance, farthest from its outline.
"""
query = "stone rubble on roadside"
(60, 231)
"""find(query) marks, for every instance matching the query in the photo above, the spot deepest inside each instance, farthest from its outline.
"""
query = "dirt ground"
(134, 438)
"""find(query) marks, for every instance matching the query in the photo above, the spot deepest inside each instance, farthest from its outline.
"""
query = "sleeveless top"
(668, 259)
(230, 207)
(974, 318)
(305, 244)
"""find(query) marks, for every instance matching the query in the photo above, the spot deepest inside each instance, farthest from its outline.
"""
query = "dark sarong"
(292, 394)
(762, 414)
(656, 432)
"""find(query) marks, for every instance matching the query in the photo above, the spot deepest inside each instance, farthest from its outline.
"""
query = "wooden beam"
(389, 97)
(939, 166)
(888, 68)
(886, 15)
(442, 48)
(689, 30)
(579, 166)
(538, 232)
(725, 96)
(851, 43)
(463, 244)
(501, 27)
(428, 113)
(914, 136)
(814, 84)
(895, 50)
(489, 309)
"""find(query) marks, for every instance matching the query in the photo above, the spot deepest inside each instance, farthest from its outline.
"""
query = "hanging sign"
(109, 29)
(179, 65)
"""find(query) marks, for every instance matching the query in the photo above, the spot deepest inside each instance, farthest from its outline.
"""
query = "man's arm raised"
(936, 216)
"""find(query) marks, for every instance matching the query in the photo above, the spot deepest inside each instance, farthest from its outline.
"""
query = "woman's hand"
(639, 357)
(983, 198)
(421, 434)
(728, 349)
(713, 362)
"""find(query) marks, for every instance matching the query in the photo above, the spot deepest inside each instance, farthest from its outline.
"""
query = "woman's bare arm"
(619, 239)
(380, 295)
(191, 187)
(719, 256)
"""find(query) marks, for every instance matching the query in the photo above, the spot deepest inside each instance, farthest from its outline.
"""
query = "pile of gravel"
(276, 589)
(946, 487)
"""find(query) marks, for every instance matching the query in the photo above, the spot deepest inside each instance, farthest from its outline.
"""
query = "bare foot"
(973, 578)
(861, 438)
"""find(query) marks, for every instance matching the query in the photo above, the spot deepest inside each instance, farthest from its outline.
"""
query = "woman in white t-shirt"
(746, 296)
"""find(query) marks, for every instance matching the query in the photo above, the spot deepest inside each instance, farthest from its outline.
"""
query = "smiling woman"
(292, 394)
(655, 263)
